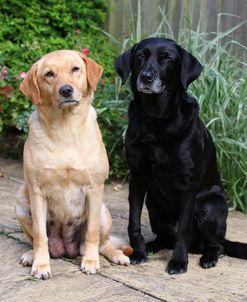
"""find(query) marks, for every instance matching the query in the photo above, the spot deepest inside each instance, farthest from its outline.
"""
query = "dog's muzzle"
(149, 83)
(66, 92)
(147, 77)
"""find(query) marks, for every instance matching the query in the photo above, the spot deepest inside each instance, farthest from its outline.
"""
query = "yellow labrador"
(60, 207)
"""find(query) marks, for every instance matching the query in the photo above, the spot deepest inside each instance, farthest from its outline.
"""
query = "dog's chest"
(64, 183)
(65, 204)
(65, 175)
(151, 150)
(161, 158)
(58, 164)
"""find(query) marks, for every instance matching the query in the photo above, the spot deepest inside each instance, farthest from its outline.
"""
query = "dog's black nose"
(147, 76)
(66, 91)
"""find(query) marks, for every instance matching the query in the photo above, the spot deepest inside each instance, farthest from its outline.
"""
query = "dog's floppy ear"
(123, 63)
(190, 69)
(94, 71)
(29, 86)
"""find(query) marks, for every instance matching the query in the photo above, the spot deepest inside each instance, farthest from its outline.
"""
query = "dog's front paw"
(89, 265)
(177, 266)
(41, 271)
(138, 257)
(207, 261)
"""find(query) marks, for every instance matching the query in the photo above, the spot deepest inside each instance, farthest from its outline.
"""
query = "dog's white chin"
(156, 87)
(150, 91)
(69, 104)
(146, 91)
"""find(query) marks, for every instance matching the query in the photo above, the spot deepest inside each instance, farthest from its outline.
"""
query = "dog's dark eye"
(49, 74)
(75, 68)
(162, 57)
(140, 55)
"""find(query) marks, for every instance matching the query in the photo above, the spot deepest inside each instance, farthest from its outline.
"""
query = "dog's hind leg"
(211, 220)
(23, 214)
(164, 241)
(112, 248)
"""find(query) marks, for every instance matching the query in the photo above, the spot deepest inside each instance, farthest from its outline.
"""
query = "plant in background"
(6, 91)
(32, 28)
(112, 118)
(221, 91)
(222, 94)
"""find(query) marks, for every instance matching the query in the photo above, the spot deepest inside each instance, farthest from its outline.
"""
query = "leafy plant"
(32, 28)
(221, 91)
(112, 118)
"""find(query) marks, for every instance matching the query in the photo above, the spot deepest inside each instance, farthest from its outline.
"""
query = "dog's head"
(157, 64)
(61, 78)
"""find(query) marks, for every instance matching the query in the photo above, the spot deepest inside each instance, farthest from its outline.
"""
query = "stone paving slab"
(226, 282)
(146, 282)
(67, 283)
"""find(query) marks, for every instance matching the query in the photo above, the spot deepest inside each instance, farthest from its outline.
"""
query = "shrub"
(31, 28)
(112, 117)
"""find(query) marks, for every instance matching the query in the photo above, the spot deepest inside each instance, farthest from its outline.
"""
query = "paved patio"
(146, 282)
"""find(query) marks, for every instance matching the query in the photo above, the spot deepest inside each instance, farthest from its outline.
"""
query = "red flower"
(4, 70)
(85, 51)
(23, 74)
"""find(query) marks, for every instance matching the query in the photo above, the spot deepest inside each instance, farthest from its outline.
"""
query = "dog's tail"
(120, 244)
(116, 250)
(235, 249)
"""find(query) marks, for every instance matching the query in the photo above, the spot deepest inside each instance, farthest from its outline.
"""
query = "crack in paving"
(122, 283)
(9, 235)
(17, 180)
(132, 287)
(14, 179)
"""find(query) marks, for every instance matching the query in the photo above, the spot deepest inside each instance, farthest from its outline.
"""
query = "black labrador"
(172, 159)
